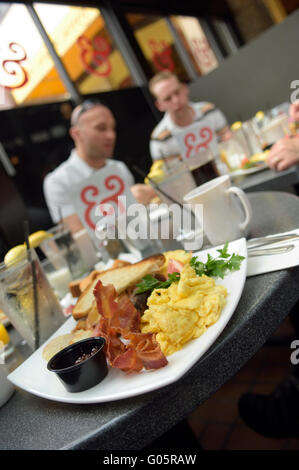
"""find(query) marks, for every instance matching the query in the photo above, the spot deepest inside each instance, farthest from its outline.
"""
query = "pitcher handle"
(245, 203)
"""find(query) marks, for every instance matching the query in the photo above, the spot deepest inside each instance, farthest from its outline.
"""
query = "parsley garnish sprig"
(214, 267)
(149, 282)
(217, 267)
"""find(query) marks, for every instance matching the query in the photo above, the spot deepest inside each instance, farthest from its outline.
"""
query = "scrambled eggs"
(183, 311)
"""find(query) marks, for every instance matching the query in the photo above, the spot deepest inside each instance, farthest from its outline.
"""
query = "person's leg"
(277, 414)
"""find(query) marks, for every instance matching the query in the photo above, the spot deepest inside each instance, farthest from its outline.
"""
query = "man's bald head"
(83, 108)
(93, 131)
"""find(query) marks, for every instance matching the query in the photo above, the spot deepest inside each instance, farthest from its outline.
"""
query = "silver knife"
(270, 251)
(261, 241)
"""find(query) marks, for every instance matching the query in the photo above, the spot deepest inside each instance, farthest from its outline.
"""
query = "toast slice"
(78, 286)
(122, 278)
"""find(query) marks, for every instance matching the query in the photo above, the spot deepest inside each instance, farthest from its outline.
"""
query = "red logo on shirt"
(112, 182)
(193, 142)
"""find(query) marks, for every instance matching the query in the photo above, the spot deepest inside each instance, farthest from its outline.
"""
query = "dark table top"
(30, 422)
(268, 180)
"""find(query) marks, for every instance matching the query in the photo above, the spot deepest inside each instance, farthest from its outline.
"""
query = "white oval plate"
(34, 377)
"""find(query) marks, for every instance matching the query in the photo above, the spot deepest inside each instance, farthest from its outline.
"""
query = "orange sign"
(95, 54)
(162, 55)
(14, 67)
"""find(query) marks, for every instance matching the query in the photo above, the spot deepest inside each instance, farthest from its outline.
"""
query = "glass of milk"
(58, 274)
(61, 243)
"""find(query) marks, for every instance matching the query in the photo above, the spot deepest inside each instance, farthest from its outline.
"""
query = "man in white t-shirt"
(94, 135)
(172, 97)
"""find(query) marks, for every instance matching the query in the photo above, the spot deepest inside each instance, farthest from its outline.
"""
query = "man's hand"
(224, 134)
(284, 154)
(294, 111)
(143, 193)
(74, 223)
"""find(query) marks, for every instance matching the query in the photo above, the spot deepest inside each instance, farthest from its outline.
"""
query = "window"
(157, 44)
(196, 43)
(86, 48)
(27, 71)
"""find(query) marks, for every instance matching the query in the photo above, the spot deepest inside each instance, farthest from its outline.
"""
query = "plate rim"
(77, 398)
(248, 171)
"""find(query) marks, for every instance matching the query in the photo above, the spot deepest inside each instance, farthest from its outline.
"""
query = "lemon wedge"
(17, 253)
(260, 115)
(157, 165)
(259, 157)
(157, 176)
(236, 125)
(4, 336)
(36, 238)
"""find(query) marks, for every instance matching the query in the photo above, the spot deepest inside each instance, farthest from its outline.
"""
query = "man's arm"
(219, 122)
(57, 199)
(162, 143)
(73, 223)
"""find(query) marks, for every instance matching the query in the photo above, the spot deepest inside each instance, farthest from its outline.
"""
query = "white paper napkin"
(270, 263)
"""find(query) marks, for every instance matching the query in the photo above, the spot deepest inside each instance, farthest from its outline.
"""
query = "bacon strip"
(105, 296)
(148, 350)
(128, 361)
(121, 319)
(120, 314)
(129, 317)
(113, 346)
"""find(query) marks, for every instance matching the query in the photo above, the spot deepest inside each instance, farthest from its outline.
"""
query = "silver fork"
(271, 239)
(270, 251)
